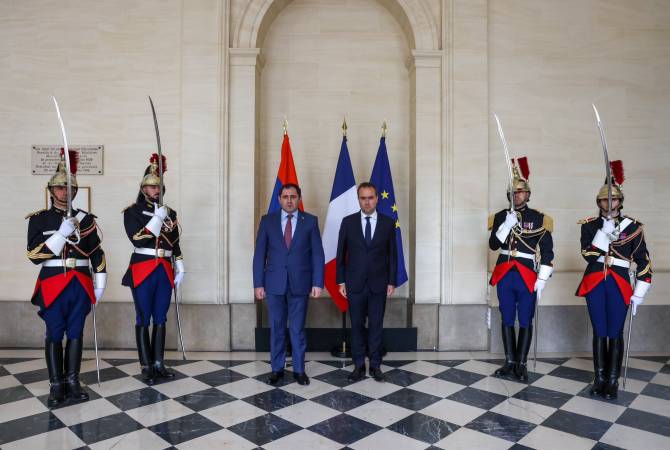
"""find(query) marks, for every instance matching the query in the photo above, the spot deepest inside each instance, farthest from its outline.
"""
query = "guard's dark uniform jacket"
(161, 249)
(52, 280)
(520, 249)
(629, 247)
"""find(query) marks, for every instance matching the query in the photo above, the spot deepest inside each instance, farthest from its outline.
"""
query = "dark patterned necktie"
(288, 231)
(368, 231)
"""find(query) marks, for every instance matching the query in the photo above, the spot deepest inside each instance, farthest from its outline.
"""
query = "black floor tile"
(29, 426)
(477, 397)
(33, 376)
(185, 428)
(219, 377)
(603, 446)
(92, 395)
(397, 363)
(199, 401)
(460, 376)
(646, 421)
(286, 380)
(263, 429)
(14, 394)
(120, 362)
(336, 378)
(342, 400)
(542, 396)
(273, 400)
(403, 378)
(500, 426)
(344, 429)
(624, 398)
(105, 428)
(572, 374)
(665, 369)
(657, 390)
(449, 362)
(639, 374)
(8, 361)
(229, 362)
(137, 398)
(584, 426)
(108, 374)
(4, 372)
(410, 399)
(177, 376)
(424, 428)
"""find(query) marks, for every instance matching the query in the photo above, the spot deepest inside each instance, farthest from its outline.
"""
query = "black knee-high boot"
(509, 344)
(614, 360)
(158, 344)
(599, 364)
(53, 352)
(144, 353)
(523, 347)
(73, 350)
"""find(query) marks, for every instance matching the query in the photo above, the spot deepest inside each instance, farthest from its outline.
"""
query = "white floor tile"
(652, 404)
(453, 412)
(634, 439)
(466, 439)
(26, 366)
(22, 408)
(219, 440)
(594, 408)
(549, 439)
(131, 369)
(480, 367)
(579, 363)
(306, 413)
(181, 387)
(313, 389)
(245, 388)
(424, 368)
(523, 410)
(303, 439)
(144, 439)
(314, 368)
(560, 384)
(83, 412)
(56, 439)
(198, 368)
(435, 386)
(8, 381)
(661, 378)
(373, 389)
(232, 413)
(387, 439)
(499, 386)
(39, 388)
(89, 365)
(253, 368)
(159, 412)
(644, 364)
(380, 413)
(118, 386)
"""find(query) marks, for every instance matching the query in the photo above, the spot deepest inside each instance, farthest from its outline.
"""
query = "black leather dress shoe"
(357, 374)
(301, 378)
(275, 377)
(376, 373)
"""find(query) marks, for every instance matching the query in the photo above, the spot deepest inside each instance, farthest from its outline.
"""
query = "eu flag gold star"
(385, 195)
(394, 208)
(397, 224)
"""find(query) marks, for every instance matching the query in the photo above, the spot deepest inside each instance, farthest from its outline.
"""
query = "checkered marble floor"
(435, 400)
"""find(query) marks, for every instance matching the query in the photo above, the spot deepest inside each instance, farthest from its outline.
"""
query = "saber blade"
(160, 152)
(66, 155)
(508, 162)
(608, 170)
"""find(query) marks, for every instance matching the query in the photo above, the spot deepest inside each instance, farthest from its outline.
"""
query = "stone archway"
(249, 25)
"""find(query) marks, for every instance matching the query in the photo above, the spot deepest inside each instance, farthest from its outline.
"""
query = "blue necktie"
(368, 231)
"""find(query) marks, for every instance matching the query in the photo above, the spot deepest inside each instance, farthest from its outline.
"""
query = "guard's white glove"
(604, 236)
(67, 226)
(641, 288)
(99, 283)
(178, 272)
(542, 277)
(160, 211)
(504, 229)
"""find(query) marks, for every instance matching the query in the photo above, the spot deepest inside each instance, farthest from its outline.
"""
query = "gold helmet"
(521, 173)
(60, 177)
(617, 176)
(151, 176)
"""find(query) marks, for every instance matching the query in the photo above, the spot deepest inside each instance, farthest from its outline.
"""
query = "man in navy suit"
(288, 267)
(366, 272)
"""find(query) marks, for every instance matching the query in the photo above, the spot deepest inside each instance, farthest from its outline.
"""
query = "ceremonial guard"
(156, 267)
(67, 245)
(610, 243)
(524, 265)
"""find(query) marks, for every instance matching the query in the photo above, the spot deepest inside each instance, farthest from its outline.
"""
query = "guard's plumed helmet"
(151, 176)
(60, 177)
(616, 169)
(521, 174)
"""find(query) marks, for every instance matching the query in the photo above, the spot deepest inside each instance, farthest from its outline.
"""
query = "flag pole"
(342, 350)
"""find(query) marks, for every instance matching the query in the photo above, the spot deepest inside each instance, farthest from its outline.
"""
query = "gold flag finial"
(285, 126)
(344, 126)
(384, 128)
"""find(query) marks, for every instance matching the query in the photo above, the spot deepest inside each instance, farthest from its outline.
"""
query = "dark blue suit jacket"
(281, 270)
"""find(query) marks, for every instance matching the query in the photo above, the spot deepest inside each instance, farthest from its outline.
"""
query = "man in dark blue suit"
(366, 272)
(288, 267)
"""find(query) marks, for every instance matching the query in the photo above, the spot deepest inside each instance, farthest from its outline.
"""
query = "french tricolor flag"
(343, 202)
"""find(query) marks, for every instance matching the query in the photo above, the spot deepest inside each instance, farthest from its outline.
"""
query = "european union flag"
(382, 179)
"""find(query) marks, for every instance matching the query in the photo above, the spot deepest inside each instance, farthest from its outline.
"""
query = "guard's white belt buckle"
(71, 263)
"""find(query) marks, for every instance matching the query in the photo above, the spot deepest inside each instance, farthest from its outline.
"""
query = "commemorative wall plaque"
(44, 159)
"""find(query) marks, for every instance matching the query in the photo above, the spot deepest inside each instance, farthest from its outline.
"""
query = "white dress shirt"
(284, 219)
(373, 223)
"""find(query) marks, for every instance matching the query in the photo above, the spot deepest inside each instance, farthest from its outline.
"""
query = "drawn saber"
(66, 156)
(608, 169)
(508, 162)
(160, 202)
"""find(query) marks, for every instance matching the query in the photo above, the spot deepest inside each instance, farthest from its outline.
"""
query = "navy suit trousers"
(366, 305)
